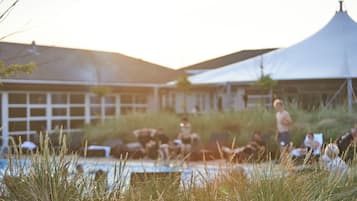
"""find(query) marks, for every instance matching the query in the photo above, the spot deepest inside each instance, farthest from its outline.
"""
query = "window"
(17, 98)
(94, 111)
(77, 99)
(95, 121)
(38, 112)
(110, 100)
(59, 98)
(140, 99)
(140, 110)
(133, 103)
(37, 98)
(110, 111)
(17, 126)
(58, 124)
(94, 100)
(39, 126)
(17, 112)
(126, 99)
(75, 124)
(77, 111)
(59, 111)
(126, 110)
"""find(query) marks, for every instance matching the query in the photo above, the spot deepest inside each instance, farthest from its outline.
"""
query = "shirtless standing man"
(283, 122)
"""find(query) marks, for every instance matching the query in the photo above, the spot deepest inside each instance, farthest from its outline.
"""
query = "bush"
(332, 122)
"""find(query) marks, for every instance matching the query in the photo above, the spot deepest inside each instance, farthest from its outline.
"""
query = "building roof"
(66, 65)
(328, 54)
(227, 59)
(221, 61)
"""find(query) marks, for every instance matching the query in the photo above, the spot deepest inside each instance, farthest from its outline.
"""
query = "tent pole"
(349, 94)
(329, 102)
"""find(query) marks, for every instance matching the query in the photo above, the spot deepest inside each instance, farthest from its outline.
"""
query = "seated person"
(186, 139)
(145, 137)
(152, 149)
(162, 141)
(101, 180)
(257, 146)
(160, 136)
(331, 160)
(347, 144)
(185, 134)
(254, 149)
(79, 169)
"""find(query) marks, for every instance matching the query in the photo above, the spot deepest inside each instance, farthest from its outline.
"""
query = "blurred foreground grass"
(45, 177)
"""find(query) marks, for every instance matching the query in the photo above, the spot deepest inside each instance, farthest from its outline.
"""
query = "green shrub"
(332, 122)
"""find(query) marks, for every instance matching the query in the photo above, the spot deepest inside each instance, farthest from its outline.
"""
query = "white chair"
(299, 152)
(317, 137)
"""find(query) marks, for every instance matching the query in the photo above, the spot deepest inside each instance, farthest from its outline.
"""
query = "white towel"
(28, 145)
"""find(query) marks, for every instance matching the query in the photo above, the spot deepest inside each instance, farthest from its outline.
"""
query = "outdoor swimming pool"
(188, 174)
(197, 174)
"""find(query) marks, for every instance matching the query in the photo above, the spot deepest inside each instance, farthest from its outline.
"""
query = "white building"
(64, 90)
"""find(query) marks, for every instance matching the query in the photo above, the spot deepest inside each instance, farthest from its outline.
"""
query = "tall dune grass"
(45, 176)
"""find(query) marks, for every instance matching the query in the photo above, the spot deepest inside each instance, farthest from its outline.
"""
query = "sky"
(172, 33)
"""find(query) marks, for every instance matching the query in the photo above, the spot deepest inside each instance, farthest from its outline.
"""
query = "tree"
(8, 10)
(6, 71)
(265, 81)
(101, 91)
(184, 85)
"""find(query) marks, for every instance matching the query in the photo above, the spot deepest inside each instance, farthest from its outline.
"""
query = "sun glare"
(170, 33)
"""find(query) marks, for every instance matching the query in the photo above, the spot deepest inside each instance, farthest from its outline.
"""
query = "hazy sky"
(173, 33)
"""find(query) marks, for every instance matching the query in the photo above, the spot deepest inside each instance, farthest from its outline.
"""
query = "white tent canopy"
(331, 53)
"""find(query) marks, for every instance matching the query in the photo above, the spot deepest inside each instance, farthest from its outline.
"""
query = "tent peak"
(341, 5)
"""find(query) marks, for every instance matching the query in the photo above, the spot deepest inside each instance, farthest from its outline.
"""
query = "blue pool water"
(3, 164)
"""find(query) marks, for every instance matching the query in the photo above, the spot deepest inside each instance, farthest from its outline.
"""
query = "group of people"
(154, 143)
(335, 156)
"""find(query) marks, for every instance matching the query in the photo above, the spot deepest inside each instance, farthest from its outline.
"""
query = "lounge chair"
(318, 137)
(92, 150)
